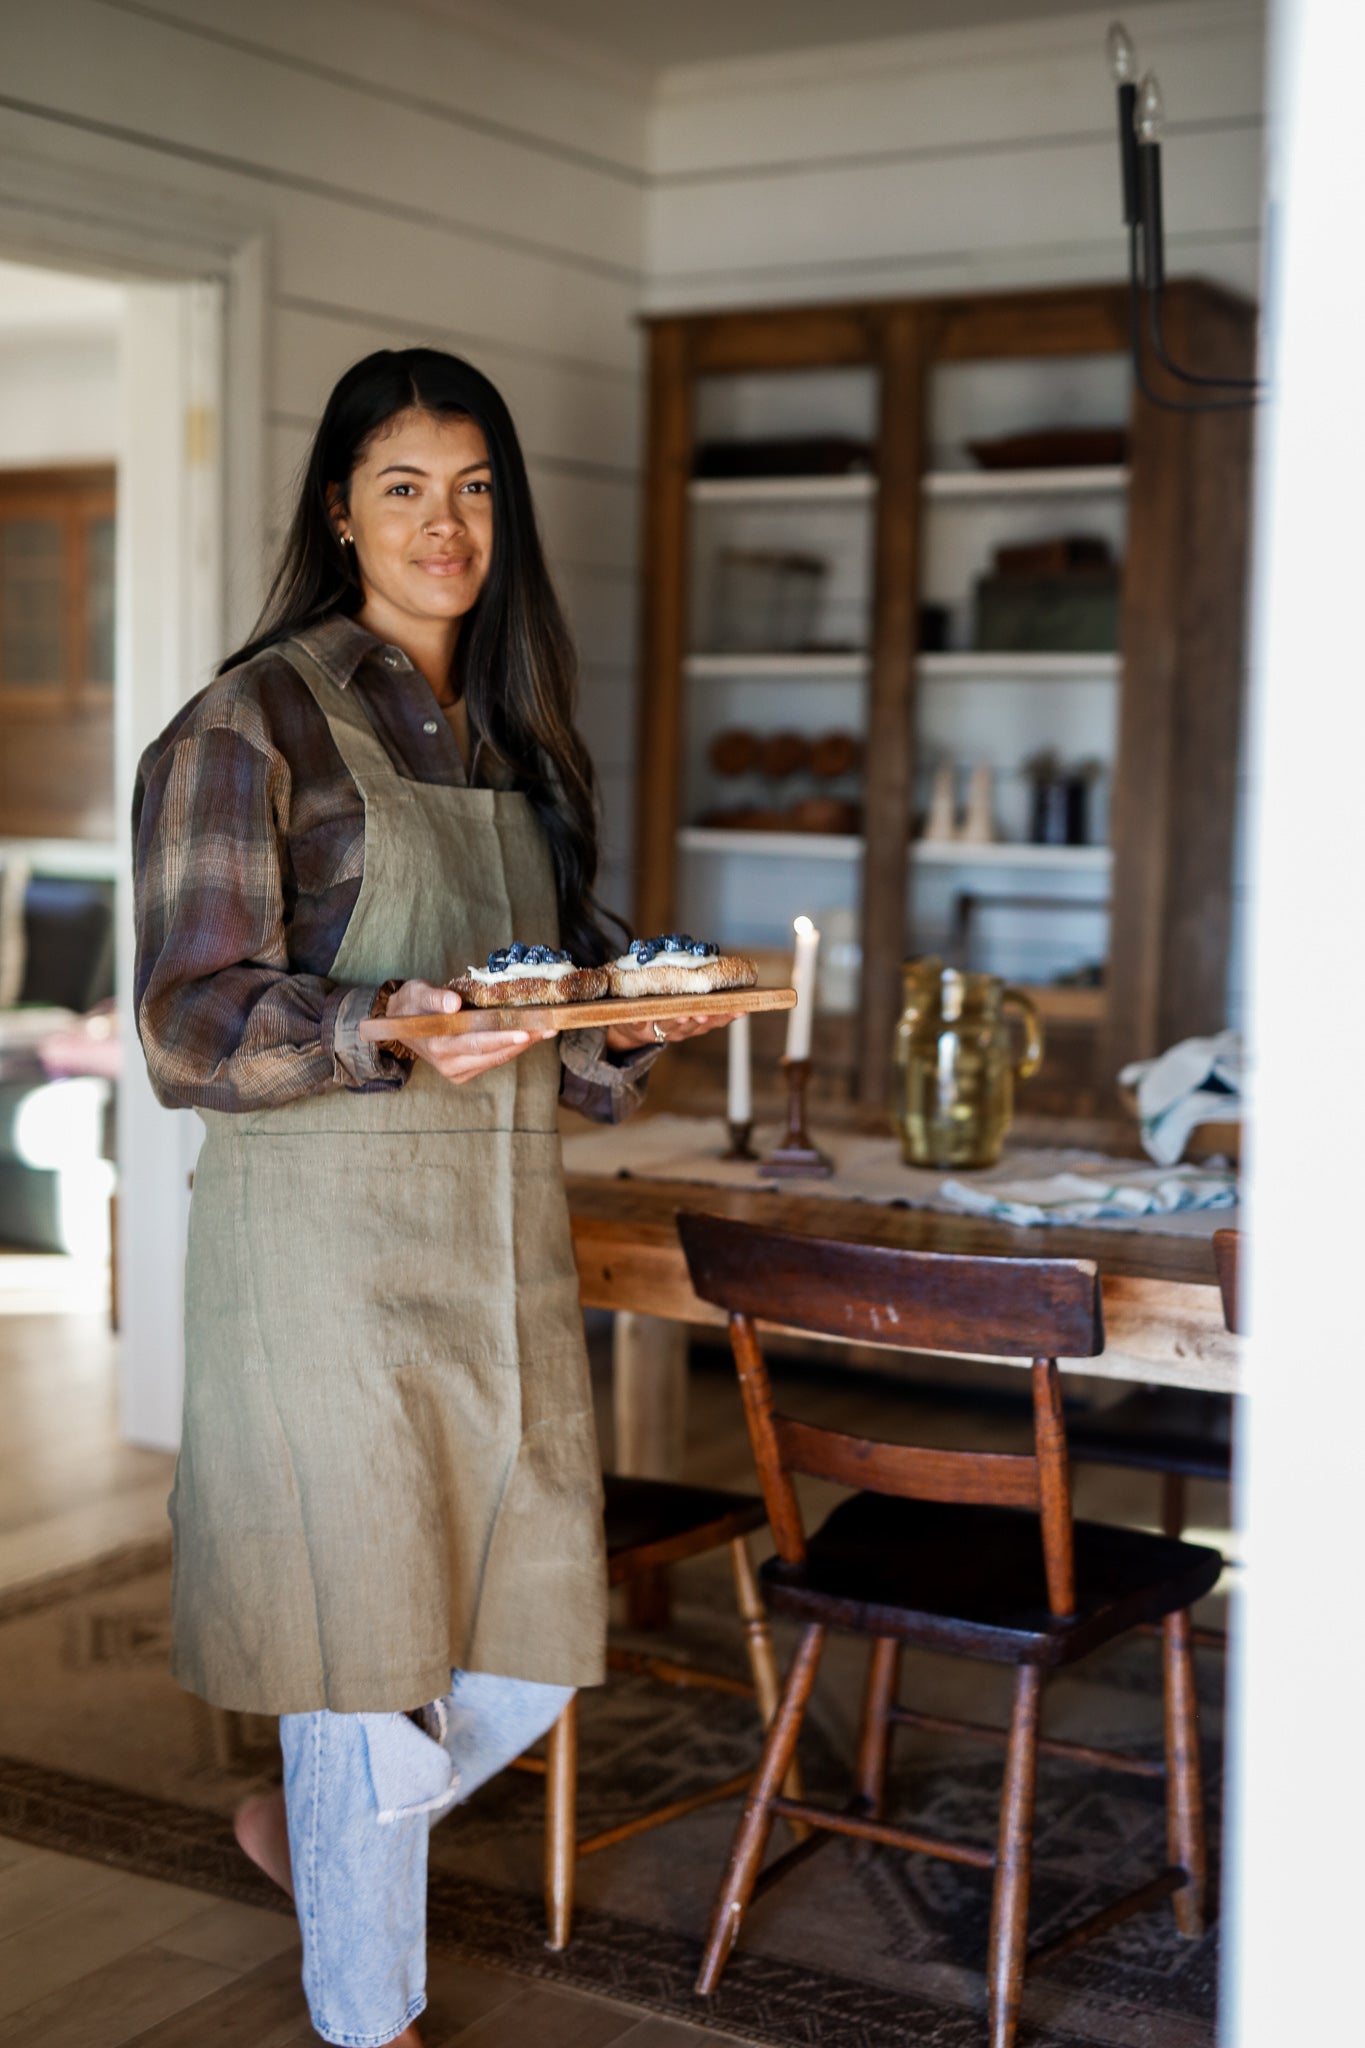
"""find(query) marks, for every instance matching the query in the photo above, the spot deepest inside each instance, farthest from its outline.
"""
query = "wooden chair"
(1179, 1432)
(652, 1523)
(959, 1551)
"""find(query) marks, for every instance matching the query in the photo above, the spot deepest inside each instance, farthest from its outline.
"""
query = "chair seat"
(656, 1521)
(1159, 1429)
(970, 1579)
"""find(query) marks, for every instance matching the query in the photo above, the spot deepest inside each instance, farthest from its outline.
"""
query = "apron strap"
(355, 738)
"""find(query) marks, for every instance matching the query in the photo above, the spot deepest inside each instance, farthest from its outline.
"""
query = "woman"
(388, 1494)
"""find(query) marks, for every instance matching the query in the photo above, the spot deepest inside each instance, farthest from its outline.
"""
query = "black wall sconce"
(1142, 124)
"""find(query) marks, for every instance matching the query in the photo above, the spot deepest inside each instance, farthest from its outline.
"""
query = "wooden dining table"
(1163, 1313)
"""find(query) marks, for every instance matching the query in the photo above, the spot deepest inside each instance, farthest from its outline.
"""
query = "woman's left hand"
(627, 1037)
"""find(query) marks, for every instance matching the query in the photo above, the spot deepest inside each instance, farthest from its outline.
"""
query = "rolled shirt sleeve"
(223, 1021)
(608, 1087)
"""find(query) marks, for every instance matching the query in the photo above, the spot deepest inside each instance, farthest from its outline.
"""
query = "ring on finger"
(659, 1034)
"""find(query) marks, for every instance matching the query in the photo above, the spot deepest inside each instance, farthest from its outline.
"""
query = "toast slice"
(676, 975)
(518, 991)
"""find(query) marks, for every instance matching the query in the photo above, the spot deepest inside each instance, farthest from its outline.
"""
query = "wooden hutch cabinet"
(57, 653)
(864, 598)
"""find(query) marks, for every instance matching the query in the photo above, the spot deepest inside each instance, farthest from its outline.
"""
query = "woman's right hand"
(460, 1058)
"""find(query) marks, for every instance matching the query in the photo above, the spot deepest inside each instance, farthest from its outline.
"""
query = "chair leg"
(561, 1824)
(1184, 1790)
(1014, 1855)
(874, 1744)
(1174, 1503)
(751, 1838)
(763, 1670)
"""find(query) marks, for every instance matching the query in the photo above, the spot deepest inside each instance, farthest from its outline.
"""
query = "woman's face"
(420, 514)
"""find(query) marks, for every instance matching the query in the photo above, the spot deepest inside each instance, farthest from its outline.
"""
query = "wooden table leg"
(649, 1399)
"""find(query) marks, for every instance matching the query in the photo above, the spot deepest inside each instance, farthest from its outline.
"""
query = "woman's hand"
(626, 1037)
(460, 1058)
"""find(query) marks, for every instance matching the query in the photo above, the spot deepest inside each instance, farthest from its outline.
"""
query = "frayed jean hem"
(418, 2006)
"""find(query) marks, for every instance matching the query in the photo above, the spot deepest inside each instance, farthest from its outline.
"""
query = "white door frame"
(191, 500)
(1293, 1898)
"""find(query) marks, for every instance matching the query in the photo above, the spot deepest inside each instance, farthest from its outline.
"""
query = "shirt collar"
(338, 645)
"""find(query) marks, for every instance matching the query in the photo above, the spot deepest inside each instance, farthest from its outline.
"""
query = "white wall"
(413, 180)
(58, 399)
(59, 367)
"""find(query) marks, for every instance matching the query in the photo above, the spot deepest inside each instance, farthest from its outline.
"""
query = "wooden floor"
(70, 1488)
(95, 1958)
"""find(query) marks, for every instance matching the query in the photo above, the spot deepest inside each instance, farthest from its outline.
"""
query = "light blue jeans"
(361, 1792)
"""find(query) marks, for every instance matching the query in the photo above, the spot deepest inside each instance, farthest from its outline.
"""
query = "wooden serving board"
(730, 1002)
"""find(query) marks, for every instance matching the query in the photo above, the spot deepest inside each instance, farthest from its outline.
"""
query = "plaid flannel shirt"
(249, 849)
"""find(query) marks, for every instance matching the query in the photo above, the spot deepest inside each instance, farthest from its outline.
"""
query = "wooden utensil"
(729, 1002)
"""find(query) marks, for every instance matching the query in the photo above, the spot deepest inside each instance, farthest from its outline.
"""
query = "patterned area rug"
(101, 1756)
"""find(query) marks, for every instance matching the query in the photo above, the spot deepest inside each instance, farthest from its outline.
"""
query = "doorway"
(122, 567)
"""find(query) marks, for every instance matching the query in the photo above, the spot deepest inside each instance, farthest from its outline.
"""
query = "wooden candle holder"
(740, 1135)
(796, 1158)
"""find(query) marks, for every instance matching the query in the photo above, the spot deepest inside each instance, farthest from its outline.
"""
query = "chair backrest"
(1039, 1309)
(1227, 1256)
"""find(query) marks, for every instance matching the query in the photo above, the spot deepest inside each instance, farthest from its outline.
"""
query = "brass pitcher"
(955, 1067)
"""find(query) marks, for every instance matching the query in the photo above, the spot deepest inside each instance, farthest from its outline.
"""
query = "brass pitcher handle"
(1026, 1067)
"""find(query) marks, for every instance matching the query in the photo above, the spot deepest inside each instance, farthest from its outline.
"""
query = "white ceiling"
(652, 33)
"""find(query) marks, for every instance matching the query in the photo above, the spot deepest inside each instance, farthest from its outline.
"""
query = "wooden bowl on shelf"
(834, 754)
(825, 814)
(1053, 448)
(734, 751)
(781, 754)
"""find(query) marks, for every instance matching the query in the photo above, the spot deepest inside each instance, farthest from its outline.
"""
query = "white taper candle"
(739, 1099)
(800, 1019)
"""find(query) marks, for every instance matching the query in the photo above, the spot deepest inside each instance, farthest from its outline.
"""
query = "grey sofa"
(69, 964)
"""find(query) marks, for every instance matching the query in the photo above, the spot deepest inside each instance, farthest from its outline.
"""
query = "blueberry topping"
(642, 951)
(519, 955)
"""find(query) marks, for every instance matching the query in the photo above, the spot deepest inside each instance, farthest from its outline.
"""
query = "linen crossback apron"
(389, 1465)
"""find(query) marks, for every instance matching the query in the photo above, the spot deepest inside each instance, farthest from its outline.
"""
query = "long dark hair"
(517, 665)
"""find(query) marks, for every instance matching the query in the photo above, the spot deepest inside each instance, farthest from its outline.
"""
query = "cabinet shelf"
(967, 486)
(774, 845)
(848, 846)
(1008, 667)
(858, 489)
(1009, 853)
(797, 667)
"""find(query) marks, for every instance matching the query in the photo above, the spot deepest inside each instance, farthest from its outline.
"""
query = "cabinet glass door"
(782, 502)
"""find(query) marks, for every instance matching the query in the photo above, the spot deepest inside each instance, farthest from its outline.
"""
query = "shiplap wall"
(414, 179)
(970, 159)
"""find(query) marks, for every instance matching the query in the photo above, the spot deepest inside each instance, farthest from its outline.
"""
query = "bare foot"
(260, 1827)
(409, 2038)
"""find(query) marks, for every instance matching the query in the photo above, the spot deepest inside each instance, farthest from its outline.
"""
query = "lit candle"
(739, 1101)
(803, 981)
